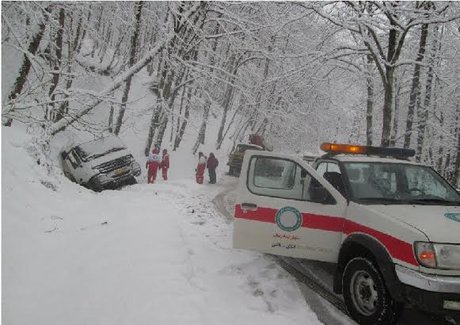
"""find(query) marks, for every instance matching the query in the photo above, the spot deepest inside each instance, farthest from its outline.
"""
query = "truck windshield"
(396, 183)
(94, 149)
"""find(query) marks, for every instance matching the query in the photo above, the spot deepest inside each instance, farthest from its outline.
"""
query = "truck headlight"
(442, 256)
(136, 168)
(448, 256)
(102, 178)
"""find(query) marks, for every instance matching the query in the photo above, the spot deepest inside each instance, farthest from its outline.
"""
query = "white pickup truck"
(391, 226)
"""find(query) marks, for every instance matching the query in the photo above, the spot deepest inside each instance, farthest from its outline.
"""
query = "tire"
(366, 297)
(131, 181)
(94, 185)
(231, 171)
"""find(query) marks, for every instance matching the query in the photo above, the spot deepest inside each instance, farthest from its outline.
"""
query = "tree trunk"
(388, 84)
(228, 129)
(132, 59)
(456, 176)
(228, 95)
(110, 123)
(163, 124)
(57, 63)
(423, 110)
(26, 63)
(180, 135)
(387, 107)
(202, 133)
(83, 34)
(394, 130)
(370, 102)
(153, 126)
(415, 88)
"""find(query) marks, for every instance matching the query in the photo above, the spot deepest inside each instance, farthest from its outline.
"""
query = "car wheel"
(94, 185)
(231, 171)
(131, 181)
(366, 297)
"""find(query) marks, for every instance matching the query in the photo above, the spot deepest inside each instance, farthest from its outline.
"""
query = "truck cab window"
(331, 172)
(283, 178)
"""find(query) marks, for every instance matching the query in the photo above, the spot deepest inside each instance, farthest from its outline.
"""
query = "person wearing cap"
(200, 168)
(164, 165)
(152, 164)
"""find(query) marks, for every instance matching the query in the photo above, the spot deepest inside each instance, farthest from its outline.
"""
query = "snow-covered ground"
(146, 254)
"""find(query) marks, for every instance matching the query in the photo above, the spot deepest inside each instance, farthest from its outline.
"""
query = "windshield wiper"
(382, 200)
(434, 201)
(97, 155)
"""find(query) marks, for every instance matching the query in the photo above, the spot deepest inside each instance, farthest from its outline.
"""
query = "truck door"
(284, 208)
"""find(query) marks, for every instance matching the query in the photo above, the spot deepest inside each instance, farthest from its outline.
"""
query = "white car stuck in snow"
(101, 164)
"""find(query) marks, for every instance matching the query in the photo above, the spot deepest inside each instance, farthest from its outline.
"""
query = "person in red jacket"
(200, 168)
(153, 162)
(165, 164)
(212, 164)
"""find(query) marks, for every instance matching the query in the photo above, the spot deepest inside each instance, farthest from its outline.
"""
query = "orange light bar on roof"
(336, 148)
(343, 148)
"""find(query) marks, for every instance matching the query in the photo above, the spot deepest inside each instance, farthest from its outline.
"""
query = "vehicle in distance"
(235, 159)
(390, 226)
(100, 164)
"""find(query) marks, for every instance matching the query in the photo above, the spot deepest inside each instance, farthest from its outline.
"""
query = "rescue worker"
(153, 162)
(200, 168)
(165, 164)
(212, 164)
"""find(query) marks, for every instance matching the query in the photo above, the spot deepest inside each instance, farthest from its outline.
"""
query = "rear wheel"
(366, 297)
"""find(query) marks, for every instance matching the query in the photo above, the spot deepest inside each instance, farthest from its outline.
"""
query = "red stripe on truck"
(397, 248)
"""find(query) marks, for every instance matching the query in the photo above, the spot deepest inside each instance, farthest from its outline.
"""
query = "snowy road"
(148, 254)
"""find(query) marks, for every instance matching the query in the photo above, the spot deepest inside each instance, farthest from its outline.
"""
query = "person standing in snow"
(212, 164)
(165, 164)
(200, 168)
(153, 162)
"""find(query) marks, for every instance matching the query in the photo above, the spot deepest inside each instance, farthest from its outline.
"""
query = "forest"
(381, 73)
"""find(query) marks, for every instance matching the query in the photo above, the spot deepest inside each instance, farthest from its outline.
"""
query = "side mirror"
(320, 195)
(303, 174)
(64, 155)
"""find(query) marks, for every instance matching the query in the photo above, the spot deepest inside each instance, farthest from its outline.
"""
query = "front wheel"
(366, 296)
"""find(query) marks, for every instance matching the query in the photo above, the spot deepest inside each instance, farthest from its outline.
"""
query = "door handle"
(249, 206)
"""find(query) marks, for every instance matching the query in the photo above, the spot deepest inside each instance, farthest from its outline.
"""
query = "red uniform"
(200, 168)
(153, 162)
(165, 165)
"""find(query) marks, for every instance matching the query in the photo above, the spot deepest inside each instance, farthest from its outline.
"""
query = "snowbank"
(147, 254)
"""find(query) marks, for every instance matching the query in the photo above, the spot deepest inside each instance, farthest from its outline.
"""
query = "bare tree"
(132, 58)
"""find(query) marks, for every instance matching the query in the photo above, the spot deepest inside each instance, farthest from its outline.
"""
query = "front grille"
(114, 164)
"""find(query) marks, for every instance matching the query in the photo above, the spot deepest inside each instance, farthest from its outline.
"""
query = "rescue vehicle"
(390, 226)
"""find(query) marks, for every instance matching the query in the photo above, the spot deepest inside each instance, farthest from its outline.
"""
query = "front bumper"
(432, 293)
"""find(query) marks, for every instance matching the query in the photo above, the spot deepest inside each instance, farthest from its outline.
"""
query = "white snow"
(146, 254)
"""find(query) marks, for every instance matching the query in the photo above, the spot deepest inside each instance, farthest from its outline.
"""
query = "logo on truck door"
(453, 216)
(288, 219)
